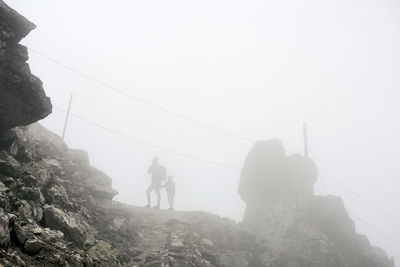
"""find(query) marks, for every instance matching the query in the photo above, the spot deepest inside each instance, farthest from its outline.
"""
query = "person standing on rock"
(158, 173)
(170, 187)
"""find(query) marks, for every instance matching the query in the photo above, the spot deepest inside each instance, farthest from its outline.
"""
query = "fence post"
(67, 117)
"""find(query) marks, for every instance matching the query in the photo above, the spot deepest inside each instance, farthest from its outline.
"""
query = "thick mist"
(256, 69)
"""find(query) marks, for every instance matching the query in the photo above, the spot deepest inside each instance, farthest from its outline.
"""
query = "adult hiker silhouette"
(158, 174)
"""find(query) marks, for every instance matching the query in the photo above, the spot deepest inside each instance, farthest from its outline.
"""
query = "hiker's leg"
(171, 200)
(148, 191)
(157, 189)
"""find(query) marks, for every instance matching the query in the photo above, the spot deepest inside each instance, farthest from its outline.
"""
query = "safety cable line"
(376, 229)
(141, 100)
(359, 196)
(218, 163)
(198, 159)
(205, 125)
(146, 143)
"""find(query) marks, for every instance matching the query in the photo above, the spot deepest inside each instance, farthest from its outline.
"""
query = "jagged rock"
(4, 229)
(23, 100)
(20, 233)
(207, 242)
(53, 165)
(104, 253)
(79, 156)
(94, 176)
(57, 195)
(297, 227)
(263, 178)
(57, 219)
(103, 192)
(33, 246)
(3, 188)
(9, 182)
(37, 213)
(31, 193)
(8, 165)
(50, 236)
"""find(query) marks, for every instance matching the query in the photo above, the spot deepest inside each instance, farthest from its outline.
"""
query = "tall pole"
(67, 117)
(305, 140)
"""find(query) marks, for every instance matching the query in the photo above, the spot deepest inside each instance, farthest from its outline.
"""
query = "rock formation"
(269, 178)
(22, 100)
(299, 228)
(58, 210)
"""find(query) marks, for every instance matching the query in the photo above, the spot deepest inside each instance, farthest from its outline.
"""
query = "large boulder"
(72, 228)
(263, 177)
(22, 98)
(270, 178)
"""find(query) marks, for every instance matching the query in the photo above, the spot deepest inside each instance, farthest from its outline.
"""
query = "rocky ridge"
(57, 210)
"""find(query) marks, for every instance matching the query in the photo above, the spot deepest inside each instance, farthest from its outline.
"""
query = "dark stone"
(23, 100)
(33, 246)
(211, 257)
(8, 165)
(4, 229)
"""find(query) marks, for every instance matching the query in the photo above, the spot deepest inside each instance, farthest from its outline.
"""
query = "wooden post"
(67, 117)
(305, 140)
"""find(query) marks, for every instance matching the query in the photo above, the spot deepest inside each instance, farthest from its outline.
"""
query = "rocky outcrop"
(299, 228)
(23, 100)
(51, 214)
(47, 201)
(270, 178)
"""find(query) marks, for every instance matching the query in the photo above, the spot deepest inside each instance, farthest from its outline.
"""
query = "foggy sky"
(254, 68)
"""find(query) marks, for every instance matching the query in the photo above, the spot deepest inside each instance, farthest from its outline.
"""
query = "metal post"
(305, 140)
(67, 117)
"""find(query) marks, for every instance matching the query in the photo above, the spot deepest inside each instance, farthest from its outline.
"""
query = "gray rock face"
(49, 202)
(69, 224)
(269, 177)
(23, 100)
(298, 228)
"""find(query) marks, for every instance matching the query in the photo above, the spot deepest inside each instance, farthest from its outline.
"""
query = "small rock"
(37, 213)
(4, 229)
(10, 182)
(8, 165)
(103, 252)
(207, 242)
(33, 246)
(20, 233)
(37, 231)
(177, 246)
(54, 165)
(3, 188)
(57, 219)
(57, 195)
